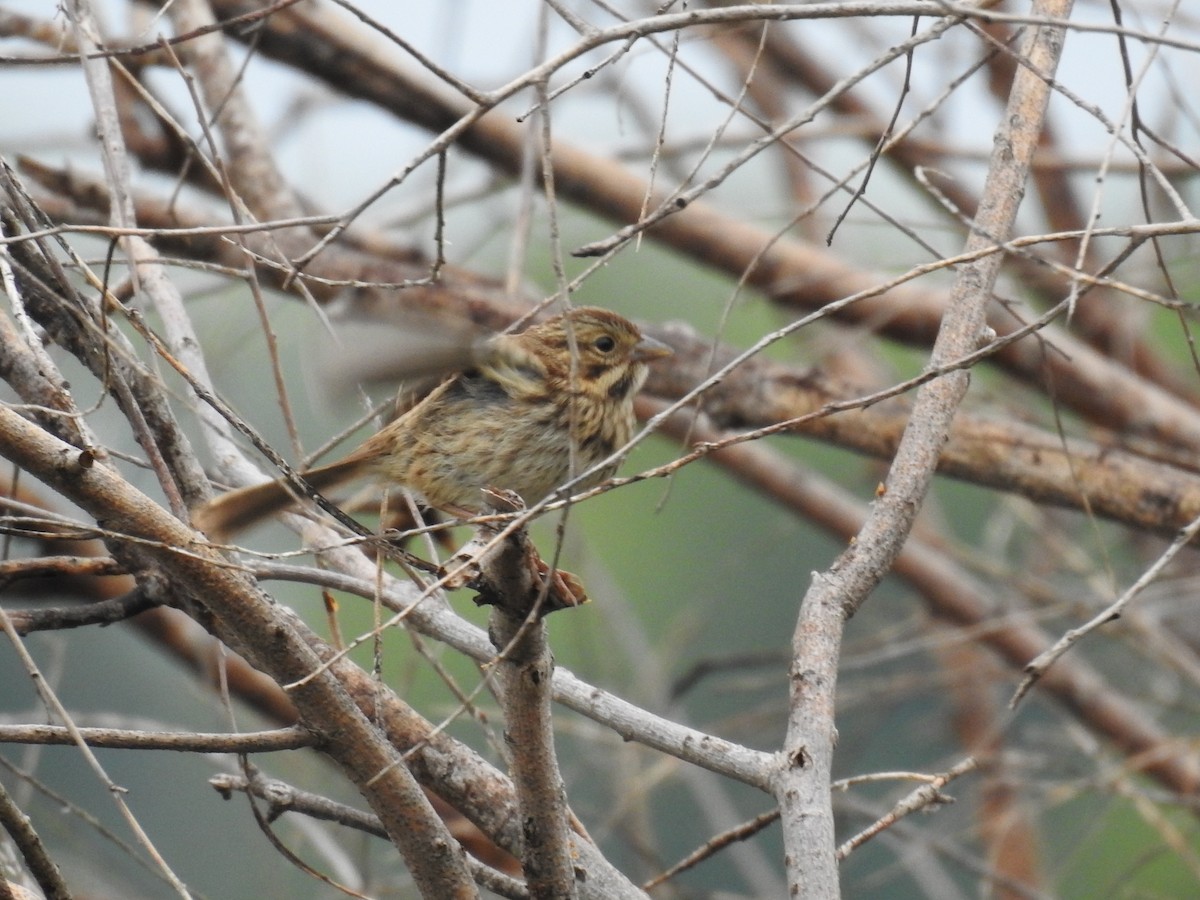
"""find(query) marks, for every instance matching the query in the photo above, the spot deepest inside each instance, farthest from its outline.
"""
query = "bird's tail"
(237, 510)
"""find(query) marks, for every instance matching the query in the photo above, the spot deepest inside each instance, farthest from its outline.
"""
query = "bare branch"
(244, 620)
(834, 596)
(20, 830)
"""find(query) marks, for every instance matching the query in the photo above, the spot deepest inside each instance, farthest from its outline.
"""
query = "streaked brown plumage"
(537, 407)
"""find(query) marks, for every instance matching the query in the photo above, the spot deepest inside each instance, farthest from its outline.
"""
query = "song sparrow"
(536, 408)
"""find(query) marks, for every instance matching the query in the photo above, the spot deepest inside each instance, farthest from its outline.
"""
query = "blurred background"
(695, 579)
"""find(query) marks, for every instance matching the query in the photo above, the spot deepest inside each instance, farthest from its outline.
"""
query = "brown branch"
(113, 597)
(364, 266)
(243, 618)
(104, 612)
(78, 324)
(1097, 477)
(68, 567)
(1002, 454)
(523, 671)
(467, 781)
(183, 741)
(43, 868)
(283, 797)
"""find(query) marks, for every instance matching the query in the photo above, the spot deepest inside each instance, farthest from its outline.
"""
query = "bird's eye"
(605, 343)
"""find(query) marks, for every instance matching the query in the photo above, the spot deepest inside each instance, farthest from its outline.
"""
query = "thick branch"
(524, 669)
(20, 831)
(247, 621)
(803, 785)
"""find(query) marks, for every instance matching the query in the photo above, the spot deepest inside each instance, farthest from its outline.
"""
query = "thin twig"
(183, 741)
(922, 798)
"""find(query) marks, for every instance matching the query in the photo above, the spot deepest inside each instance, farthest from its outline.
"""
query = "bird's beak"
(648, 348)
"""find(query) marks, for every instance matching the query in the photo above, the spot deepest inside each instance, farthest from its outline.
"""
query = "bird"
(535, 409)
